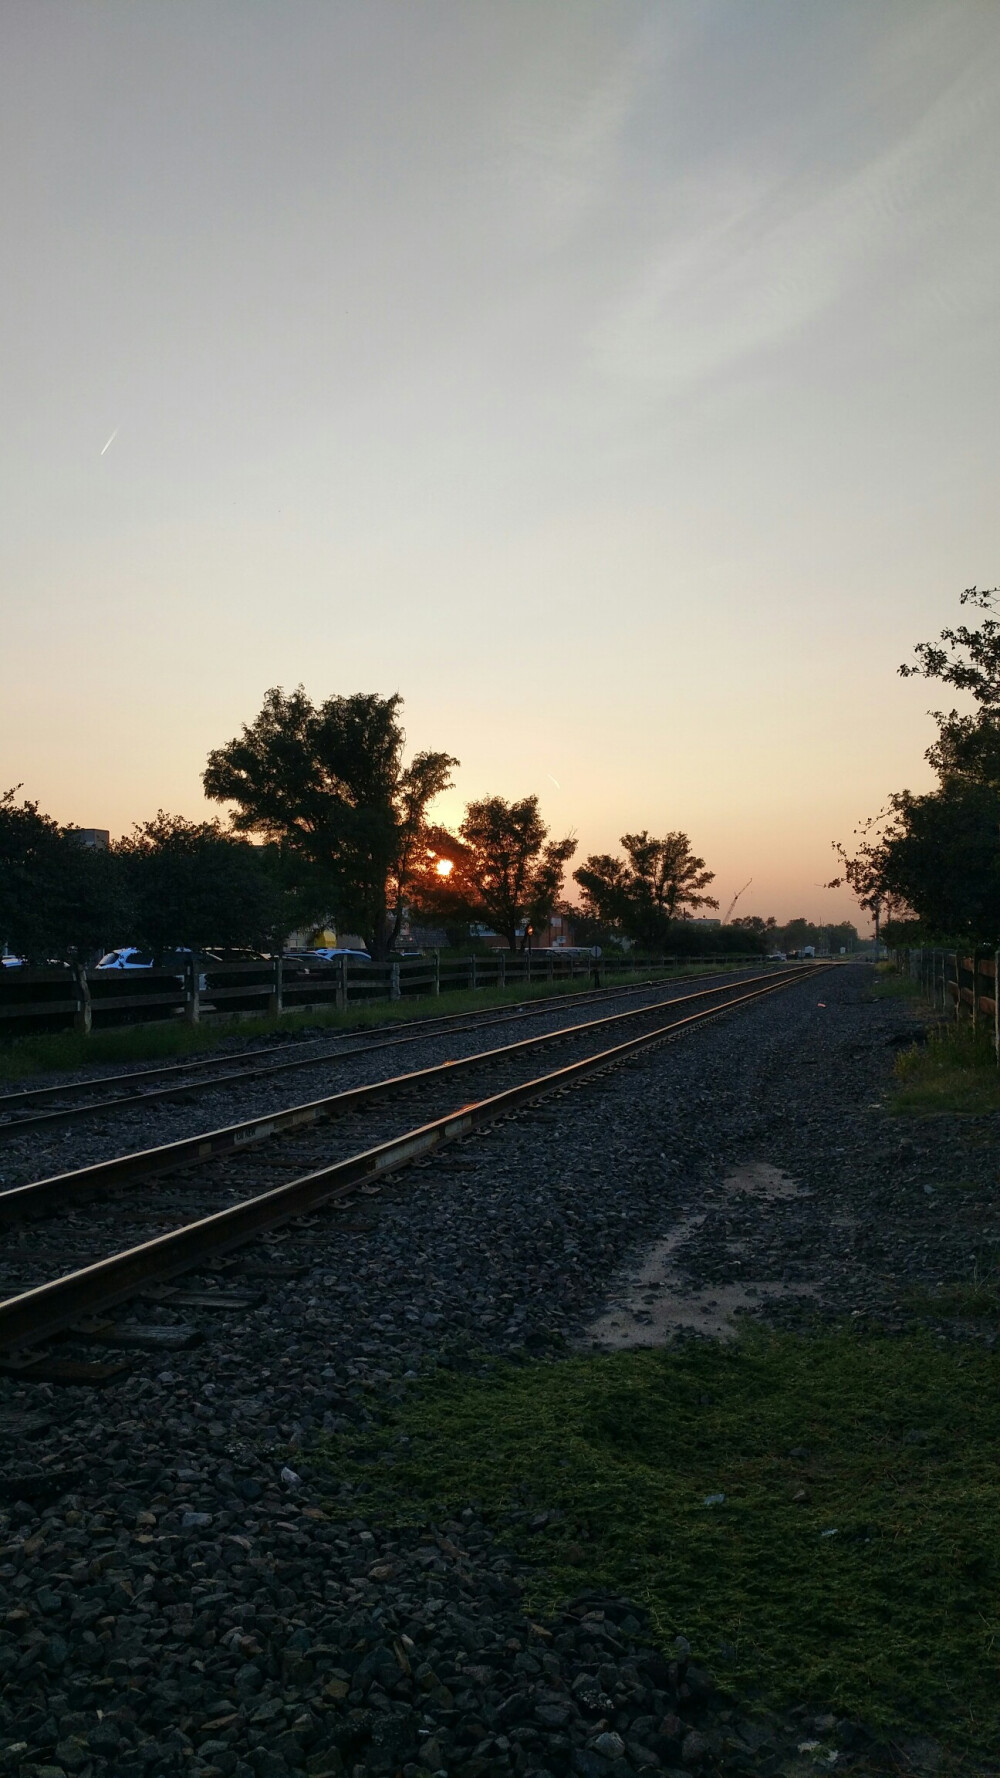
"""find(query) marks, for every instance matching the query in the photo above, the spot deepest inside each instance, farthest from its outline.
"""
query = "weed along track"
(187, 1203)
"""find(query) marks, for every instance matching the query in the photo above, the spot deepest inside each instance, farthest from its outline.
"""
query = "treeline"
(928, 867)
(170, 882)
(328, 823)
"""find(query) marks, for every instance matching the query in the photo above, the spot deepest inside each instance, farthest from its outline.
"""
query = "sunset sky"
(617, 381)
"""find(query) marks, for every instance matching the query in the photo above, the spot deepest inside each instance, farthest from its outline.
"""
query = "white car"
(776, 957)
(127, 957)
(330, 953)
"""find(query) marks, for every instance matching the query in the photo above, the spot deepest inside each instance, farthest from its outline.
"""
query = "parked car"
(12, 962)
(131, 957)
(329, 954)
(776, 957)
(126, 957)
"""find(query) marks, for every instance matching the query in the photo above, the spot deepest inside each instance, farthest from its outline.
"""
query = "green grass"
(890, 986)
(955, 1071)
(52, 1051)
(975, 1299)
(894, 1619)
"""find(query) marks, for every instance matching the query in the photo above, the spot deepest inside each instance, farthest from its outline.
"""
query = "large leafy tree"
(940, 857)
(968, 745)
(192, 883)
(937, 856)
(514, 871)
(657, 881)
(327, 783)
(501, 869)
(58, 898)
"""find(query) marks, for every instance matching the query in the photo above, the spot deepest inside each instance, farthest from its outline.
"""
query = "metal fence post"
(275, 1000)
(395, 991)
(83, 1017)
(436, 982)
(192, 992)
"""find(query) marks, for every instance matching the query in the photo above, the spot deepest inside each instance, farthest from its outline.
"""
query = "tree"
(941, 858)
(936, 857)
(765, 930)
(327, 782)
(657, 881)
(968, 746)
(192, 883)
(506, 871)
(58, 898)
(863, 872)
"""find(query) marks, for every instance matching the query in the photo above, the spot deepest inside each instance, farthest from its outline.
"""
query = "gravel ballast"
(49, 1149)
(181, 1590)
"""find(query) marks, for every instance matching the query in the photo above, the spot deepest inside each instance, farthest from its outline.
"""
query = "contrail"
(554, 780)
(111, 440)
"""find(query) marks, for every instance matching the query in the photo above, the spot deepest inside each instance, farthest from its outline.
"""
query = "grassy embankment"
(954, 1071)
(854, 1563)
(159, 1041)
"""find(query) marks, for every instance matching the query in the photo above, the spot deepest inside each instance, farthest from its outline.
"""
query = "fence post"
(436, 982)
(275, 1000)
(958, 989)
(83, 1017)
(501, 969)
(341, 998)
(192, 992)
(395, 991)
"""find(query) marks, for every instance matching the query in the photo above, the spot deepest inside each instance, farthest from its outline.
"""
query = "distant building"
(705, 925)
(97, 839)
(554, 934)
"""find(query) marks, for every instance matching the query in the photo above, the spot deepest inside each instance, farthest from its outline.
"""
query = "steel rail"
(44, 1195)
(55, 1307)
(242, 1070)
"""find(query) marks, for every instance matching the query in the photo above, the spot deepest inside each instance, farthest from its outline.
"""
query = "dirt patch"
(651, 1303)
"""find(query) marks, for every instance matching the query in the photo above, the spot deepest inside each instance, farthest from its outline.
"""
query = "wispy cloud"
(562, 129)
(751, 260)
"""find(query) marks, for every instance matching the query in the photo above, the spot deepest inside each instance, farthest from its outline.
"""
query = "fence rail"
(959, 984)
(68, 997)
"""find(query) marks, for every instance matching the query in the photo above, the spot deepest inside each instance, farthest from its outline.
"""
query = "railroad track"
(241, 1185)
(39, 1108)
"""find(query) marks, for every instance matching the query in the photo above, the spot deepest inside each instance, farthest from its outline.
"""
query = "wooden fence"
(68, 997)
(962, 986)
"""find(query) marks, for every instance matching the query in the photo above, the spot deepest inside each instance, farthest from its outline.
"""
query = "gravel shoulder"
(181, 1592)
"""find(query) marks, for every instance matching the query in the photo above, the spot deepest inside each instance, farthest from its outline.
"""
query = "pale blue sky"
(617, 381)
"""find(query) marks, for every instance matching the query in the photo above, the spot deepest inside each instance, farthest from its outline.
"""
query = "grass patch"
(892, 986)
(956, 1070)
(893, 1619)
(977, 1299)
(50, 1052)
